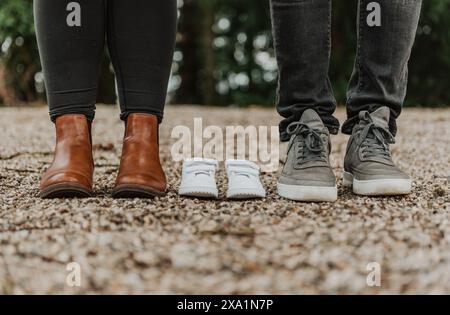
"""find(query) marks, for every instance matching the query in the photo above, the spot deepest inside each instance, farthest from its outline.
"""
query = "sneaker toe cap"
(311, 177)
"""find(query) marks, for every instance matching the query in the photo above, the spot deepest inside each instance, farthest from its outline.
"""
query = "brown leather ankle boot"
(72, 169)
(140, 174)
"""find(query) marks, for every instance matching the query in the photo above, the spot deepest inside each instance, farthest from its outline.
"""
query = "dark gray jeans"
(302, 30)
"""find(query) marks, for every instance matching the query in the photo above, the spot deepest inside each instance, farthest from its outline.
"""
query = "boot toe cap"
(66, 177)
(145, 180)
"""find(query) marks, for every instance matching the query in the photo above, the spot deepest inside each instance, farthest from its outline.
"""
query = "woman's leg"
(71, 41)
(141, 40)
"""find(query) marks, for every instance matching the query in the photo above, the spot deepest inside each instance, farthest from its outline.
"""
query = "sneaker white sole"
(245, 193)
(308, 193)
(378, 187)
(199, 191)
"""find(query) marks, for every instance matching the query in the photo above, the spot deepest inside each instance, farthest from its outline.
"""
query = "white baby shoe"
(243, 180)
(199, 178)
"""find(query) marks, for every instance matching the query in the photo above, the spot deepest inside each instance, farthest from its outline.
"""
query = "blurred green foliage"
(225, 56)
(19, 61)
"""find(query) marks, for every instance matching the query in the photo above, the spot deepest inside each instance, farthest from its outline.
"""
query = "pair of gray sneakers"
(368, 167)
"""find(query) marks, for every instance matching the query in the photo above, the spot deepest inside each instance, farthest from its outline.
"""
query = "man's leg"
(381, 69)
(305, 99)
(302, 38)
(376, 93)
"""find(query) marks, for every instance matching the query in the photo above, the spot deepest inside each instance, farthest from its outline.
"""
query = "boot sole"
(308, 193)
(378, 187)
(135, 191)
(65, 190)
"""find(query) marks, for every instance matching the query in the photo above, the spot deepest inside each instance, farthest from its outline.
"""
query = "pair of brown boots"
(71, 172)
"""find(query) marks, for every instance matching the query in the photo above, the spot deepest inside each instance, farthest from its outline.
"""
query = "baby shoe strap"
(242, 167)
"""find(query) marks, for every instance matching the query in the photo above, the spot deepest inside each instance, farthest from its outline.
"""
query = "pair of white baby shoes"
(199, 180)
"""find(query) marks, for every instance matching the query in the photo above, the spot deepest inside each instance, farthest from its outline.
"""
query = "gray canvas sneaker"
(368, 164)
(307, 174)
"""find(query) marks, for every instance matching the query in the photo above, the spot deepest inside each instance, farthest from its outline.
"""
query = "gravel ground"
(187, 246)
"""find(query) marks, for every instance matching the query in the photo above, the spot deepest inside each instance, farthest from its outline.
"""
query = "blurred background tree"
(224, 54)
(19, 62)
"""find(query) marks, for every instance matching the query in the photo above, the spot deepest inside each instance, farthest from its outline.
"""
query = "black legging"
(71, 36)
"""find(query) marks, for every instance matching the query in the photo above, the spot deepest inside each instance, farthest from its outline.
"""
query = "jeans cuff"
(89, 113)
(347, 127)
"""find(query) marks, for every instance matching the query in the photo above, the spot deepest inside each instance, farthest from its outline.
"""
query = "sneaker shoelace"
(374, 139)
(312, 145)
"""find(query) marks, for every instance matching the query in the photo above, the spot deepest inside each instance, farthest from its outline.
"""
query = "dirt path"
(178, 245)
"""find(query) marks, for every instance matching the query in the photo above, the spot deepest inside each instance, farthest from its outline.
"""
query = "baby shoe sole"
(199, 191)
(242, 193)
